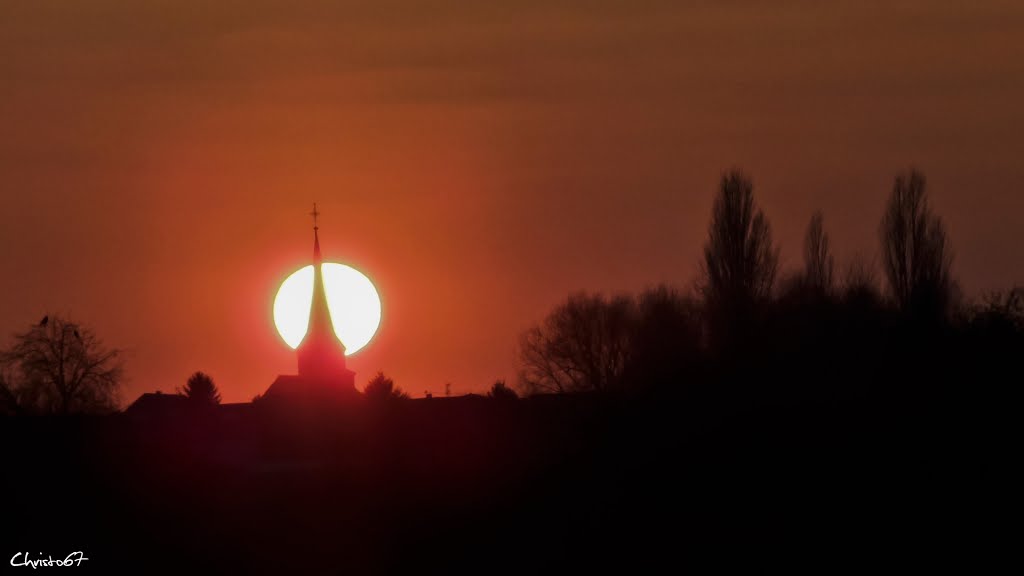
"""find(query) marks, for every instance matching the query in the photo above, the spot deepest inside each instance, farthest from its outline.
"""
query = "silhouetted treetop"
(500, 391)
(582, 346)
(201, 389)
(593, 343)
(382, 388)
(999, 313)
(740, 261)
(667, 337)
(59, 366)
(860, 282)
(818, 260)
(915, 250)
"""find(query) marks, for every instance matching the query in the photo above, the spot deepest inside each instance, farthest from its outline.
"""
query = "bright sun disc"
(351, 298)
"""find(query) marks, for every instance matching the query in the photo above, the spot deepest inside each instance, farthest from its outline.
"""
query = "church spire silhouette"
(323, 376)
(321, 353)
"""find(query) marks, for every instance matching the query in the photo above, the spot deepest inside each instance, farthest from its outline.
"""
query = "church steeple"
(323, 377)
(321, 354)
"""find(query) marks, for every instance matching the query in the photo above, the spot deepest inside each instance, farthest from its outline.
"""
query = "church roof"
(157, 404)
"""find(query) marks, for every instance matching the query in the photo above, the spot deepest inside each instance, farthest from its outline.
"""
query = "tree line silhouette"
(739, 312)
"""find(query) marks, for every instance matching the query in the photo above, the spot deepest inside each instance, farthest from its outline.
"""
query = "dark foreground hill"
(547, 484)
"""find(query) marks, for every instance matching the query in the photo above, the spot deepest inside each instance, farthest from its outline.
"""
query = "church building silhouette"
(322, 373)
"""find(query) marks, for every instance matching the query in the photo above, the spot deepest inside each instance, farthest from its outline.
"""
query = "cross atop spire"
(316, 237)
(315, 214)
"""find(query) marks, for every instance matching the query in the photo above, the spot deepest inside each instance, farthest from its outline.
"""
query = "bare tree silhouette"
(381, 388)
(58, 366)
(999, 313)
(582, 346)
(916, 252)
(818, 260)
(860, 274)
(8, 398)
(201, 389)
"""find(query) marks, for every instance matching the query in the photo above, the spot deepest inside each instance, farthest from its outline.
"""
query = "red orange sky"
(158, 159)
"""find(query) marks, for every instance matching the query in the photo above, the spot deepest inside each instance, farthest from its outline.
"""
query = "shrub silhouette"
(499, 391)
(381, 388)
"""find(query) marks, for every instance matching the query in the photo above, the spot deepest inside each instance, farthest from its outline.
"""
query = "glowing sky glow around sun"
(351, 298)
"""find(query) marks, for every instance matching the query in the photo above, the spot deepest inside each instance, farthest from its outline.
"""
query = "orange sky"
(158, 161)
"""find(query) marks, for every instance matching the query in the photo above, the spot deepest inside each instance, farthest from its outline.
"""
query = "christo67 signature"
(73, 559)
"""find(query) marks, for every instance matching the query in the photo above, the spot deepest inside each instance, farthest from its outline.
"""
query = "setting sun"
(351, 298)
